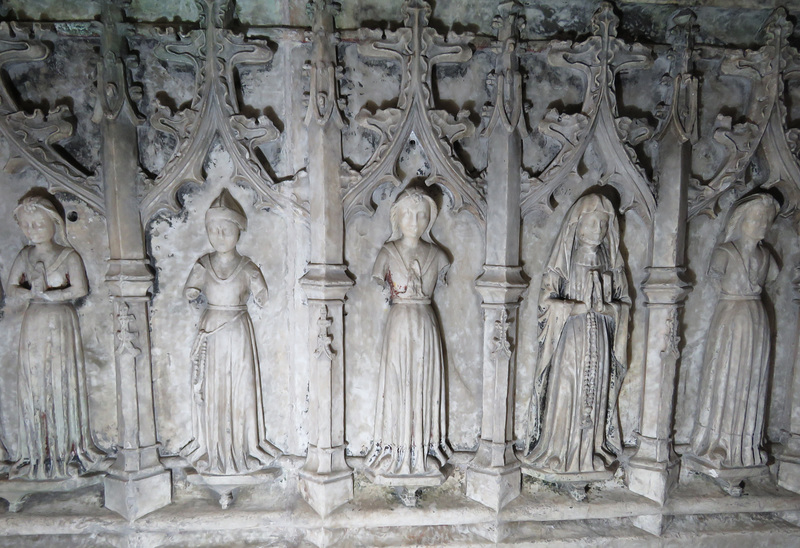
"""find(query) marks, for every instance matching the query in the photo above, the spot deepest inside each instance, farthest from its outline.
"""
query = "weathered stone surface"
(313, 118)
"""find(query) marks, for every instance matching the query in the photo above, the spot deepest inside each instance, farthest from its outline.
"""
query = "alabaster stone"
(164, 129)
(54, 438)
(573, 424)
(228, 412)
(728, 433)
(410, 433)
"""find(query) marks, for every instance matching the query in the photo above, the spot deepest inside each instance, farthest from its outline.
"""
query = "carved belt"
(227, 307)
(421, 300)
(729, 297)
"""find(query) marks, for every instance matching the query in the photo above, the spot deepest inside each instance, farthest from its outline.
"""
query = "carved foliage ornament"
(418, 49)
(324, 338)
(32, 136)
(505, 79)
(600, 58)
(765, 125)
(214, 53)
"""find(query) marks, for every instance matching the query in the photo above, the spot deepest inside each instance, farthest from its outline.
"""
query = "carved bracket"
(764, 128)
(214, 53)
(32, 136)
(600, 58)
(417, 48)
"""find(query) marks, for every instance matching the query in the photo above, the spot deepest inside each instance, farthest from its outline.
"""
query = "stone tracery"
(601, 148)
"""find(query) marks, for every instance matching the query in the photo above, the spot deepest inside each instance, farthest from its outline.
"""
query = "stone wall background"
(278, 243)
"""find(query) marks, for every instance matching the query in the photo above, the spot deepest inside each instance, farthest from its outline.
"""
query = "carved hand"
(191, 293)
(578, 308)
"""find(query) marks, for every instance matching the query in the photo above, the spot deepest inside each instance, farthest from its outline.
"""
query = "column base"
(789, 472)
(494, 486)
(326, 492)
(135, 495)
(494, 532)
(654, 480)
(654, 524)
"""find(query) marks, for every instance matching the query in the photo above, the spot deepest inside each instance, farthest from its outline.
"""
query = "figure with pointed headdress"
(728, 434)
(573, 425)
(409, 437)
(228, 412)
(54, 437)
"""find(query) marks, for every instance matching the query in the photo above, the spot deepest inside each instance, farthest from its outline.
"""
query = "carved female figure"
(583, 316)
(730, 421)
(54, 437)
(410, 421)
(228, 418)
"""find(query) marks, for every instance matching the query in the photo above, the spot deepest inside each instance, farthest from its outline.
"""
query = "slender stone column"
(653, 470)
(789, 456)
(493, 476)
(137, 483)
(326, 481)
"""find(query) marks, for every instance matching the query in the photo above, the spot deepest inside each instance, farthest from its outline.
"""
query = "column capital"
(665, 286)
(500, 284)
(129, 278)
(326, 282)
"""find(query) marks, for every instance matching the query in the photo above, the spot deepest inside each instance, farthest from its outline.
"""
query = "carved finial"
(680, 34)
(605, 21)
(323, 95)
(510, 20)
(114, 95)
(416, 13)
(681, 106)
(215, 13)
(505, 79)
(777, 27)
(214, 53)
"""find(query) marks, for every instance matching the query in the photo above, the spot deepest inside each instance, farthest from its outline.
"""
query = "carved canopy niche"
(600, 58)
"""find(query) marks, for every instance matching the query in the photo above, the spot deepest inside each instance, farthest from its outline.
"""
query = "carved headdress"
(32, 204)
(412, 195)
(561, 256)
(746, 207)
(226, 208)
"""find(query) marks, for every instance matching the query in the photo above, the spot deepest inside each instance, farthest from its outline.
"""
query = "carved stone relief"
(228, 412)
(409, 443)
(572, 168)
(573, 425)
(54, 438)
(727, 440)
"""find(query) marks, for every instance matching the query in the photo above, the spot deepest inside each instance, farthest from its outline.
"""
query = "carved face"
(37, 226)
(223, 235)
(414, 218)
(592, 227)
(756, 224)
